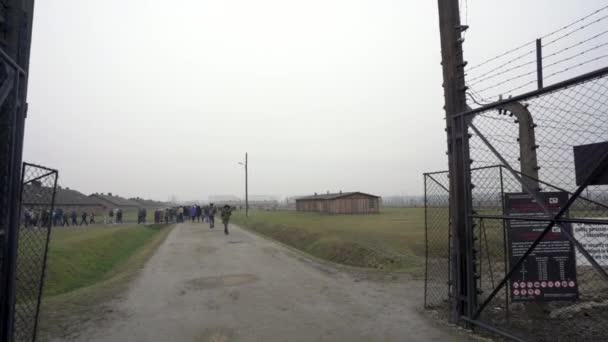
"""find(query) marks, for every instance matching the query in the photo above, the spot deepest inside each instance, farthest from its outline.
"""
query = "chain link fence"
(437, 241)
(539, 215)
(548, 146)
(37, 202)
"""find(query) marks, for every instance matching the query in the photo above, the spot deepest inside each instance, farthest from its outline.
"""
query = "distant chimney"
(315, 194)
(340, 191)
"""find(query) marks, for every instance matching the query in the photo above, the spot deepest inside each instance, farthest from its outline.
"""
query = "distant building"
(148, 203)
(66, 199)
(340, 203)
(109, 201)
(260, 202)
(226, 199)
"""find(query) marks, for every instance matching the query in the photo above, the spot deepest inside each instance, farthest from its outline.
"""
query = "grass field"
(83, 257)
(392, 240)
(88, 267)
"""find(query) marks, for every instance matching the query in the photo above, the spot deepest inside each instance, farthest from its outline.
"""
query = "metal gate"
(36, 219)
(538, 215)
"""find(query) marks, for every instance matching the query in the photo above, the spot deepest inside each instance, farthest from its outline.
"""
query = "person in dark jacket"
(225, 213)
(199, 212)
(84, 218)
(192, 213)
(211, 217)
(74, 218)
(65, 219)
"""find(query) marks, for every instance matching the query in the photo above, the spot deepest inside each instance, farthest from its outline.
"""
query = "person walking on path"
(74, 218)
(84, 218)
(65, 219)
(205, 213)
(118, 215)
(111, 215)
(180, 214)
(211, 217)
(225, 213)
(92, 219)
(199, 212)
(192, 213)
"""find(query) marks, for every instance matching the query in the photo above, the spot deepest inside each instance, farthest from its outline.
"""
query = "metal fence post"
(539, 63)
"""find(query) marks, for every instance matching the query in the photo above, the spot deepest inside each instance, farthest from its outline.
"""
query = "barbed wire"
(510, 91)
(546, 36)
(574, 31)
(489, 74)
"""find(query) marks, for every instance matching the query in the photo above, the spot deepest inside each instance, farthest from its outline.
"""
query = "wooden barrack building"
(340, 203)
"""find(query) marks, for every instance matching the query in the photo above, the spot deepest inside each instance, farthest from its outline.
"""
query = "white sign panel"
(594, 238)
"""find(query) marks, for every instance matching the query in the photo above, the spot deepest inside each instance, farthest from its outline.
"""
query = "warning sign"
(594, 238)
(548, 272)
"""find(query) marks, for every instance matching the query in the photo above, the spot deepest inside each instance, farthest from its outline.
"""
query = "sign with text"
(594, 238)
(549, 272)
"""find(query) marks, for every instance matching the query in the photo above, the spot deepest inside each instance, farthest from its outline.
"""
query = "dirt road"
(204, 286)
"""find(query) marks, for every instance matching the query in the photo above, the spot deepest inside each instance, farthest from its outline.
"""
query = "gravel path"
(204, 286)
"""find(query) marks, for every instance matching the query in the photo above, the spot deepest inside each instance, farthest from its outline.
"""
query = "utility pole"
(246, 185)
(462, 259)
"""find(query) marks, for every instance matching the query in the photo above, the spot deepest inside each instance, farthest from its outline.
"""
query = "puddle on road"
(205, 249)
(223, 281)
(216, 335)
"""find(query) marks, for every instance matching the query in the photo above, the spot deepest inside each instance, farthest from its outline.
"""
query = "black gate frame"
(29, 309)
(16, 19)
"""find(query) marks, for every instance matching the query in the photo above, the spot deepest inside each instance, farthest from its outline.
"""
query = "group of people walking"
(180, 214)
(194, 213)
(57, 217)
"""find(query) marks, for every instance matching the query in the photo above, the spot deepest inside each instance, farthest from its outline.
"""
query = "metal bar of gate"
(441, 185)
(561, 189)
(44, 260)
(541, 219)
(535, 93)
(426, 244)
(504, 241)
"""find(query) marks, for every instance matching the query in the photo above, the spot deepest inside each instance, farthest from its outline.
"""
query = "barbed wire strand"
(534, 41)
(481, 77)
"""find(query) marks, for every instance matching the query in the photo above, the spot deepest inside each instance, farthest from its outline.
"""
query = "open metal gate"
(36, 219)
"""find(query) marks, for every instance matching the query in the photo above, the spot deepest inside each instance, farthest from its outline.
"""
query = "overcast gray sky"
(157, 98)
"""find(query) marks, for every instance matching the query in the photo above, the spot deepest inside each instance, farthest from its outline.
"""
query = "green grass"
(83, 257)
(392, 240)
(89, 267)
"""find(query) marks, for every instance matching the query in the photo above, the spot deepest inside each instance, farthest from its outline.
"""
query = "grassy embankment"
(87, 267)
(391, 240)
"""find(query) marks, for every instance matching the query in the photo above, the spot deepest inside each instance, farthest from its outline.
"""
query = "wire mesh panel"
(541, 217)
(37, 211)
(437, 230)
